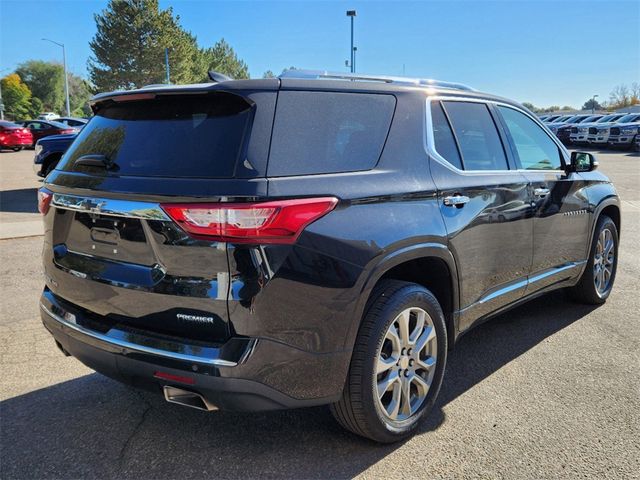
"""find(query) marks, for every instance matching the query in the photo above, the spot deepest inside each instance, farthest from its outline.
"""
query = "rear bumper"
(244, 374)
(15, 142)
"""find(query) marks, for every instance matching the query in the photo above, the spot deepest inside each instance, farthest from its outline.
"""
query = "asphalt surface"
(549, 390)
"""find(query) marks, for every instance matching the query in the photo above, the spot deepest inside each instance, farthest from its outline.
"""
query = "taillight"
(266, 222)
(44, 200)
(67, 130)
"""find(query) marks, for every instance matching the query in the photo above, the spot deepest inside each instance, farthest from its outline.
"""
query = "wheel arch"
(49, 159)
(431, 265)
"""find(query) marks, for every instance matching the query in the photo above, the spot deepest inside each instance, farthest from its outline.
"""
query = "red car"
(14, 137)
(44, 128)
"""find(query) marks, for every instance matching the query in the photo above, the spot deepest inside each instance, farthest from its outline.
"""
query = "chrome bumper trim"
(136, 347)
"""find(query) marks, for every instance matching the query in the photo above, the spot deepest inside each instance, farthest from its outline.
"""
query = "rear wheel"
(398, 363)
(597, 279)
(16, 149)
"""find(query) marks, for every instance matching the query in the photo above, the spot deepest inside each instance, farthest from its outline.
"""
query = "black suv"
(311, 239)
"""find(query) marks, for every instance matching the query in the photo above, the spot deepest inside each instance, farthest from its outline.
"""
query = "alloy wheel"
(603, 261)
(406, 364)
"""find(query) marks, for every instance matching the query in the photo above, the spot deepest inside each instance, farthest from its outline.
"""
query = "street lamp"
(593, 104)
(66, 79)
(352, 14)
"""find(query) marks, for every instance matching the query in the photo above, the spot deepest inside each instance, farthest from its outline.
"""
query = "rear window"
(168, 136)
(328, 132)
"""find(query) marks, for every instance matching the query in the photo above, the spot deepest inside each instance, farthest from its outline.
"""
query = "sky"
(544, 52)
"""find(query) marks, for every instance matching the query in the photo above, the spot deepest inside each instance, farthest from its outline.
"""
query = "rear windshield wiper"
(95, 160)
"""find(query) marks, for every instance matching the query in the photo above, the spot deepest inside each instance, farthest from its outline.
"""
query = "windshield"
(632, 117)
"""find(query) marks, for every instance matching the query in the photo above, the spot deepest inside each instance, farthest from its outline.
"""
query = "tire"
(50, 166)
(16, 149)
(587, 289)
(361, 410)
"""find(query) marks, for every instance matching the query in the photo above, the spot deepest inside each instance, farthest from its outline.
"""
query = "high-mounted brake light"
(44, 200)
(265, 222)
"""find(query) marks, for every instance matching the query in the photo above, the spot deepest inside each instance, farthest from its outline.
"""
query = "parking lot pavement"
(549, 390)
(18, 195)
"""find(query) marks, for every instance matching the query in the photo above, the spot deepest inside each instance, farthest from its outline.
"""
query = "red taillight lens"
(265, 222)
(44, 200)
(67, 130)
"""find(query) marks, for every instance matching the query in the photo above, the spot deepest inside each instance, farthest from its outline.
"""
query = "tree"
(620, 97)
(79, 95)
(129, 46)
(270, 74)
(16, 97)
(592, 104)
(635, 93)
(46, 81)
(531, 107)
(223, 59)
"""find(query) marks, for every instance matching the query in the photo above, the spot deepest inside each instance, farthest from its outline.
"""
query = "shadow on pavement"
(24, 200)
(95, 427)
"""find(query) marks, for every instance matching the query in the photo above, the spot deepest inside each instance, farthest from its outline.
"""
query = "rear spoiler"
(151, 91)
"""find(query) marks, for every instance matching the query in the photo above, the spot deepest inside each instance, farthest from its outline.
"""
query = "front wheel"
(16, 149)
(397, 365)
(597, 279)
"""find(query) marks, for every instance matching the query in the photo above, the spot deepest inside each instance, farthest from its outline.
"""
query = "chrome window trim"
(110, 206)
(137, 347)
(430, 142)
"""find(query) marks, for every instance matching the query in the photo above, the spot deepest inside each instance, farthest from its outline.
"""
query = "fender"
(372, 275)
(605, 201)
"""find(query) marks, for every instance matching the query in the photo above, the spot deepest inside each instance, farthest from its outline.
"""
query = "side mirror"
(582, 162)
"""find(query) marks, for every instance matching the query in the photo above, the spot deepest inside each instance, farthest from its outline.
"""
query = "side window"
(445, 144)
(477, 136)
(328, 132)
(534, 148)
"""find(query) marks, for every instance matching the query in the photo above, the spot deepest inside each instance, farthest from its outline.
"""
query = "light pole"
(66, 78)
(593, 104)
(352, 14)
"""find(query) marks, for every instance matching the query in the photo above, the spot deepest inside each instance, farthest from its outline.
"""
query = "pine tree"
(129, 46)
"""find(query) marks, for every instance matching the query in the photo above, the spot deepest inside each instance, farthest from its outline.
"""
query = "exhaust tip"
(187, 398)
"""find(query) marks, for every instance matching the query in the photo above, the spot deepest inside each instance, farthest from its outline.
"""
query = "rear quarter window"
(328, 132)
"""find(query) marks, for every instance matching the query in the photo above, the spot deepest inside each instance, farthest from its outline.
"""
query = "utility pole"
(166, 64)
(66, 77)
(352, 14)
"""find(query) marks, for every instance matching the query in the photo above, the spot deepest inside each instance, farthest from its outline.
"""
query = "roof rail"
(356, 77)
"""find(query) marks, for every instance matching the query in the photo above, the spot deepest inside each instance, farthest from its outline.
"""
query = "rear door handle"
(456, 200)
(541, 192)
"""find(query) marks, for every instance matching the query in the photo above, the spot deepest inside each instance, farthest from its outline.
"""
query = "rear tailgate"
(111, 249)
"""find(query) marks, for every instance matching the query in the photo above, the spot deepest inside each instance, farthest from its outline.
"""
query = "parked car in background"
(550, 118)
(72, 121)
(563, 132)
(42, 128)
(580, 134)
(48, 152)
(48, 116)
(346, 235)
(601, 135)
(14, 137)
(636, 143)
(625, 131)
